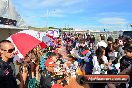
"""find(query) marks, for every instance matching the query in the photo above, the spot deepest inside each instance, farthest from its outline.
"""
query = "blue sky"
(82, 14)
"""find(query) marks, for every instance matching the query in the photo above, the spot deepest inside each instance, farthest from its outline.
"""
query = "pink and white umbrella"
(38, 35)
(23, 43)
(42, 36)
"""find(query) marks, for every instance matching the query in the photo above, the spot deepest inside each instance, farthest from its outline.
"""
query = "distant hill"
(37, 29)
(50, 28)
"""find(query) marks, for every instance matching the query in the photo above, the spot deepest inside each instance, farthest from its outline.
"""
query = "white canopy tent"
(7, 10)
(6, 31)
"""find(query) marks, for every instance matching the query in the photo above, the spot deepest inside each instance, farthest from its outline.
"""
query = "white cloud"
(62, 3)
(35, 4)
(76, 11)
(60, 12)
(115, 14)
(56, 8)
(54, 13)
(101, 27)
(113, 20)
(51, 3)
(71, 2)
(30, 4)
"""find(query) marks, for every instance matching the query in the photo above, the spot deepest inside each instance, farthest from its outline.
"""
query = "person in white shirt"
(102, 42)
(100, 61)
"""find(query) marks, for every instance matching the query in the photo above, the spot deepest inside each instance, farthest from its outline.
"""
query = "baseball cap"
(49, 62)
(57, 86)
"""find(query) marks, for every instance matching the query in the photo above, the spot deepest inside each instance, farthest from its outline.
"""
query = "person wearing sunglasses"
(7, 68)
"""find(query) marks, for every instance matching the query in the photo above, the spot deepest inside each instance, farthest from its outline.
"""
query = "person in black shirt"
(126, 62)
(7, 77)
(109, 47)
(47, 76)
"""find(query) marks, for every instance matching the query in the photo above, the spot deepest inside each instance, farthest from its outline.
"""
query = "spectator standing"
(7, 78)
(102, 42)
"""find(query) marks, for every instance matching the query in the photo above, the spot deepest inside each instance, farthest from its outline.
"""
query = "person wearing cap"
(47, 76)
(57, 86)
